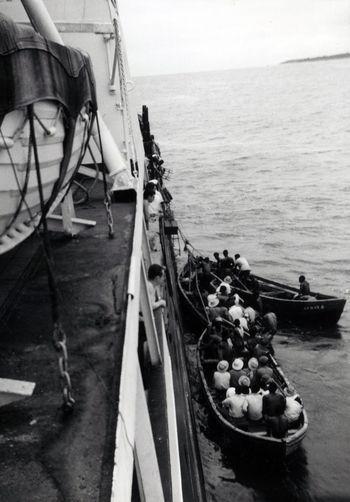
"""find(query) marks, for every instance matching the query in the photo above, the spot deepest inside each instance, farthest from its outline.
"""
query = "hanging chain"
(58, 335)
(59, 340)
(108, 206)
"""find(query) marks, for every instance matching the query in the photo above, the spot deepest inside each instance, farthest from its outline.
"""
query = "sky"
(178, 36)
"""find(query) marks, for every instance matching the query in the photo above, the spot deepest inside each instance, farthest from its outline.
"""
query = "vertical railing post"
(146, 461)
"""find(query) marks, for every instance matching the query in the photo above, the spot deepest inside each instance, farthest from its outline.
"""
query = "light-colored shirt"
(243, 323)
(155, 207)
(221, 380)
(253, 406)
(293, 409)
(250, 312)
(235, 312)
(235, 405)
(227, 287)
(242, 264)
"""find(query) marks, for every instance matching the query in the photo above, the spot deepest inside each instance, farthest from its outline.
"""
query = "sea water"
(259, 165)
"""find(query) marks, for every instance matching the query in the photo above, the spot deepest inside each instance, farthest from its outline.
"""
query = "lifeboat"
(47, 109)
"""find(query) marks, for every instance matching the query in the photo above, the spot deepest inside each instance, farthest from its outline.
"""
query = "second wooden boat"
(252, 436)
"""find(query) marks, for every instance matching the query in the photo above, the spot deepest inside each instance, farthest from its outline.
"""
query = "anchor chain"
(108, 205)
(58, 335)
(59, 340)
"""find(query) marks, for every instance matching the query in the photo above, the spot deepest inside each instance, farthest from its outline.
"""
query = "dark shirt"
(227, 262)
(273, 405)
(253, 285)
(278, 426)
(206, 267)
(214, 312)
(264, 372)
(304, 288)
(260, 350)
(235, 376)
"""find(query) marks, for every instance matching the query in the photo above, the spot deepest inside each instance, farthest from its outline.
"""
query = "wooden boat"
(251, 437)
(45, 123)
(279, 298)
(191, 295)
(318, 308)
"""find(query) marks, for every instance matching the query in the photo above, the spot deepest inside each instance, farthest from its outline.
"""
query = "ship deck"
(46, 455)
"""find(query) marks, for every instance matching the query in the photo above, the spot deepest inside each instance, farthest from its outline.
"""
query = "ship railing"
(135, 449)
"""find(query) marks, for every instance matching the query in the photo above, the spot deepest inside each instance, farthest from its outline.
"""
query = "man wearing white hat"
(221, 378)
(236, 372)
(214, 309)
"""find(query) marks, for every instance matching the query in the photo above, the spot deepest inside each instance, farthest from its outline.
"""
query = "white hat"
(244, 381)
(155, 182)
(237, 364)
(222, 366)
(253, 363)
(213, 301)
(231, 391)
(228, 279)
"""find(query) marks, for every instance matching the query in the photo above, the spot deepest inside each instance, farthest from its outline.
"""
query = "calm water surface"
(259, 162)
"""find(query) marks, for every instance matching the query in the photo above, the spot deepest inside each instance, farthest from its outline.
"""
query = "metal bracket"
(67, 222)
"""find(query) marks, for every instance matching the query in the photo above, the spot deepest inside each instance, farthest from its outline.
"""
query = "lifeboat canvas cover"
(34, 69)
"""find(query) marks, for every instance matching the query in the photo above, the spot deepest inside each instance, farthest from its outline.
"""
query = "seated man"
(222, 294)
(235, 403)
(227, 263)
(214, 308)
(217, 263)
(236, 372)
(293, 407)
(253, 405)
(264, 371)
(235, 312)
(304, 289)
(221, 378)
(225, 284)
(262, 348)
(242, 267)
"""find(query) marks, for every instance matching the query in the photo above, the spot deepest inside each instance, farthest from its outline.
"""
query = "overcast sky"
(172, 36)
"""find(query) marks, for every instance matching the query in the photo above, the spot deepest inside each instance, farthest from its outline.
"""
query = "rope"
(107, 201)
(22, 191)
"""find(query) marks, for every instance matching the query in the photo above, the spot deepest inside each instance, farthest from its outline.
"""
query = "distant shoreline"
(319, 58)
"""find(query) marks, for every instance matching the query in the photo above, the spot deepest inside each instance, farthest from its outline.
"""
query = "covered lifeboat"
(47, 109)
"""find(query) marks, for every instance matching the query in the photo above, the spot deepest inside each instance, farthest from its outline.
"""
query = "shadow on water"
(270, 479)
(285, 481)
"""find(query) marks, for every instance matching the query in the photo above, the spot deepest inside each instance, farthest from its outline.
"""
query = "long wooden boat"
(253, 437)
(317, 309)
(279, 298)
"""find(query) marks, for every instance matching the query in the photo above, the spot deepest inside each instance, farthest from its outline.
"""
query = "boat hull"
(247, 442)
(318, 309)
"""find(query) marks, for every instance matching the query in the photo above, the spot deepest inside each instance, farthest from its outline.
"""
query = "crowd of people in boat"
(240, 338)
(244, 381)
(249, 394)
(236, 272)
